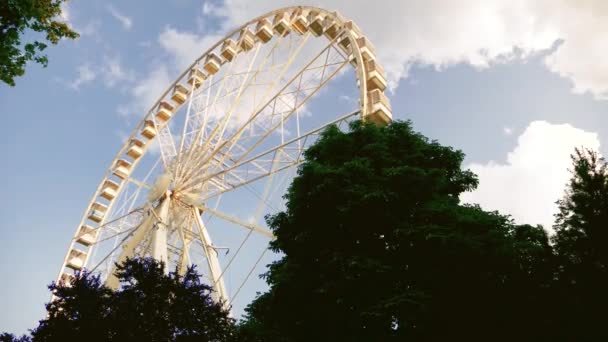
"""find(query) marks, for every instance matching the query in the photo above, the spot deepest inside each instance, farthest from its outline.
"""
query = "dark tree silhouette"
(581, 242)
(377, 247)
(6, 337)
(149, 306)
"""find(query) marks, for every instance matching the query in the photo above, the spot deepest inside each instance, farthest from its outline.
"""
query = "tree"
(78, 311)
(580, 242)
(150, 306)
(6, 337)
(18, 16)
(377, 247)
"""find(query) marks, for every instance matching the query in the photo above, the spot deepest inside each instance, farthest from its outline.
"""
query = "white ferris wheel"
(218, 149)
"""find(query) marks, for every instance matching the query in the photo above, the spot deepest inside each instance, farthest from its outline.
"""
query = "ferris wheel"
(216, 152)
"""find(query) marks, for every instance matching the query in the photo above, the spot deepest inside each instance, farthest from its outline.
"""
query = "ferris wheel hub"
(161, 187)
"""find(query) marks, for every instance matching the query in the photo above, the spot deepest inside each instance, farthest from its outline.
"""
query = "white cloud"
(507, 130)
(346, 98)
(147, 91)
(581, 56)
(534, 175)
(65, 12)
(85, 75)
(124, 20)
(208, 8)
(90, 29)
(185, 47)
(114, 73)
(479, 32)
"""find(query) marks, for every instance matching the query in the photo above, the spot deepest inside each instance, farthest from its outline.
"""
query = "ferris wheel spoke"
(166, 144)
(287, 103)
(206, 112)
(109, 223)
(284, 68)
(250, 226)
(284, 96)
(212, 262)
(186, 239)
(213, 138)
(267, 163)
(127, 201)
(251, 270)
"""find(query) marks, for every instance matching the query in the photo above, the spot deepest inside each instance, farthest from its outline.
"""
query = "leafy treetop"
(18, 16)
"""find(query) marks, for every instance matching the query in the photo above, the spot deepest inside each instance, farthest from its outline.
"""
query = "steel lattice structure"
(233, 124)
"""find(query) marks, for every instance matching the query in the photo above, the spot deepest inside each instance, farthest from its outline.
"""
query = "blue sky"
(515, 85)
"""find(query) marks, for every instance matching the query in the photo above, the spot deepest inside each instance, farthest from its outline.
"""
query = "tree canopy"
(150, 305)
(580, 242)
(378, 247)
(21, 17)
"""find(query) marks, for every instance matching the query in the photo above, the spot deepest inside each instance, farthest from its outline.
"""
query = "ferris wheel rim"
(359, 70)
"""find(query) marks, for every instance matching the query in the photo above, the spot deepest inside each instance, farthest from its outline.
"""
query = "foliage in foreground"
(377, 247)
(20, 16)
(149, 306)
(581, 242)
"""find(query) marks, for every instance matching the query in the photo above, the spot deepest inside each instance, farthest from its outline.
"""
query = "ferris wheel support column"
(212, 261)
(128, 249)
(159, 236)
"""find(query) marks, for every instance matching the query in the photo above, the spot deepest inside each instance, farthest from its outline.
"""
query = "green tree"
(149, 306)
(580, 242)
(377, 247)
(6, 337)
(16, 18)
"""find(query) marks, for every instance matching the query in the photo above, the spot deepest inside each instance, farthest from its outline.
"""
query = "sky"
(516, 85)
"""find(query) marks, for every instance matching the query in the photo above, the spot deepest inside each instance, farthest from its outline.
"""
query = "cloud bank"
(478, 32)
(534, 175)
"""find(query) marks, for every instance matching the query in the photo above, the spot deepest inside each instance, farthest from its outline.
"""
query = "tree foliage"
(377, 247)
(6, 337)
(580, 242)
(150, 306)
(17, 17)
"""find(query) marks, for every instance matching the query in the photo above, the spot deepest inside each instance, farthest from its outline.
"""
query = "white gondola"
(66, 279)
(149, 130)
(87, 235)
(180, 94)
(353, 28)
(109, 190)
(136, 148)
(196, 77)
(213, 63)
(367, 49)
(281, 23)
(165, 111)
(375, 76)
(122, 169)
(344, 42)
(331, 28)
(246, 39)
(379, 108)
(97, 212)
(315, 23)
(229, 49)
(299, 22)
(263, 30)
(76, 259)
